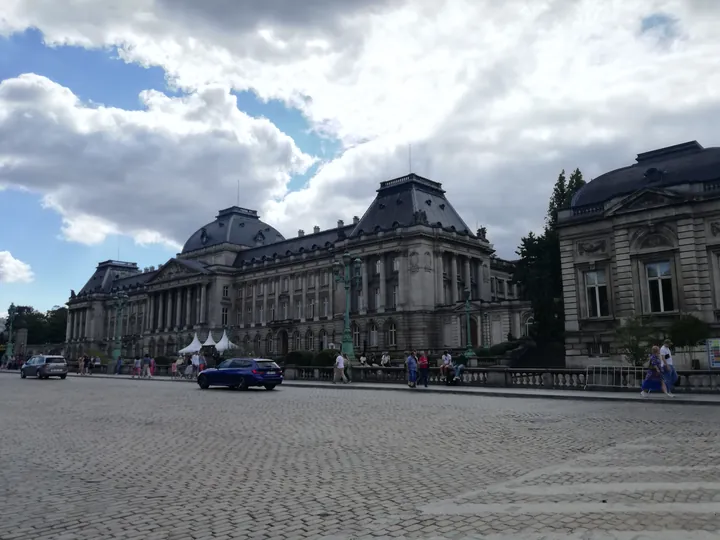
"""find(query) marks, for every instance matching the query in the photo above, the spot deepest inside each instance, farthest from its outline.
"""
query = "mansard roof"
(410, 200)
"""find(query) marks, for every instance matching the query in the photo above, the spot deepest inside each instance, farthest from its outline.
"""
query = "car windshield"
(267, 364)
(56, 360)
(224, 364)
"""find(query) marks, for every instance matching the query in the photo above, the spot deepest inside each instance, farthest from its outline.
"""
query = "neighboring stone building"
(275, 295)
(643, 239)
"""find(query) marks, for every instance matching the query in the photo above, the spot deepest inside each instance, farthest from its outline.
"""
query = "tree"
(687, 332)
(635, 340)
(539, 270)
(46, 327)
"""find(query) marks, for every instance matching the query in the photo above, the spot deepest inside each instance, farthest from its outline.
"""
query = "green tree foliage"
(539, 272)
(48, 327)
(688, 331)
(635, 339)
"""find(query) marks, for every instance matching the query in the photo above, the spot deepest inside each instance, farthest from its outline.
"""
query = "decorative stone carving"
(420, 218)
(428, 262)
(204, 236)
(482, 233)
(715, 228)
(72, 293)
(654, 241)
(592, 247)
(647, 200)
(413, 262)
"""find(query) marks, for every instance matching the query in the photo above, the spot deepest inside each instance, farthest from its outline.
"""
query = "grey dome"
(233, 225)
(685, 163)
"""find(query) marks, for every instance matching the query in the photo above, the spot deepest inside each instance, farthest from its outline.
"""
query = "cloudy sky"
(125, 126)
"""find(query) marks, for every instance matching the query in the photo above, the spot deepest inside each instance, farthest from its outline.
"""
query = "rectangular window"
(298, 310)
(272, 312)
(377, 298)
(396, 264)
(598, 349)
(377, 266)
(284, 309)
(360, 300)
(239, 292)
(226, 291)
(238, 318)
(596, 294)
(660, 288)
(311, 309)
(224, 316)
(395, 296)
(249, 315)
(325, 307)
(261, 315)
(286, 284)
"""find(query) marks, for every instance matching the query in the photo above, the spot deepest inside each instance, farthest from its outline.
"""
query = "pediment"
(172, 270)
(645, 199)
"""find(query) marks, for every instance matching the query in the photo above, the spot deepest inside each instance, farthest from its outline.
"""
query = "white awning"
(224, 344)
(194, 346)
(209, 342)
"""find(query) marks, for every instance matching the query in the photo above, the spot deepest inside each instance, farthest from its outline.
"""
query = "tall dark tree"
(539, 270)
(42, 327)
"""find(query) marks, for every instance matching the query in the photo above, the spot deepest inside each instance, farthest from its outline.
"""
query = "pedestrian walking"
(118, 366)
(654, 376)
(412, 365)
(146, 366)
(339, 369)
(81, 366)
(423, 369)
(90, 365)
(669, 373)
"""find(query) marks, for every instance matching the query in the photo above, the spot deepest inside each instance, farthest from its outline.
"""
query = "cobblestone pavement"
(116, 459)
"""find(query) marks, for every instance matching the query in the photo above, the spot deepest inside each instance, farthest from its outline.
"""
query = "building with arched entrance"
(274, 294)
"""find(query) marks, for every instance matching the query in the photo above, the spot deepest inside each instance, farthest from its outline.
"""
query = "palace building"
(274, 295)
(643, 240)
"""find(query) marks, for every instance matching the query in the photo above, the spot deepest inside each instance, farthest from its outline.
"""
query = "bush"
(299, 358)
(500, 349)
(163, 360)
(325, 358)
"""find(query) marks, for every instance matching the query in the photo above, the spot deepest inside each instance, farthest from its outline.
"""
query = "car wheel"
(270, 386)
(203, 382)
(63, 376)
(243, 384)
(22, 374)
(38, 374)
(233, 387)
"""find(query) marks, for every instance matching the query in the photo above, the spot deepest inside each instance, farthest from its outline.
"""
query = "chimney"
(316, 229)
(356, 220)
(301, 232)
(341, 223)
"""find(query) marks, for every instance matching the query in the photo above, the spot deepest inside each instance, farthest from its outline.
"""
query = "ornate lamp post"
(11, 316)
(119, 298)
(345, 273)
(469, 352)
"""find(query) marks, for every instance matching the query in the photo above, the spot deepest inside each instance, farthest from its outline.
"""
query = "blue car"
(242, 373)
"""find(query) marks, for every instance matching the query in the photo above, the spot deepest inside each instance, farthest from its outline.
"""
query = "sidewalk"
(537, 393)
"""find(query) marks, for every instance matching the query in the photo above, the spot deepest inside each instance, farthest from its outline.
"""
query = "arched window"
(356, 335)
(151, 347)
(373, 335)
(269, 344)
(528, 326)
(297, 342)
(309, 341)
(392, 335)
(323, 340)
(256, 347)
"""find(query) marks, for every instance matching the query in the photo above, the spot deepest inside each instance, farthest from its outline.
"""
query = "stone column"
(254, 301)
(516, 330)
(479, 279)
(303, 301)
(161, 308)
(440, 280)
(68, 326)
(381, 276)
(365, 296)
(203, 302)
(468, 279)
(291, 298)
(266, 292)
(167, 323)
(178, 307)
(401, 280)
(188, 307)
(316, 315)
(453, 278)
(90, 323)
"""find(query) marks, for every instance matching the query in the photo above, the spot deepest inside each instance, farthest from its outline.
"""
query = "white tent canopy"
(209, 342)
(194, 346)
(224, 344)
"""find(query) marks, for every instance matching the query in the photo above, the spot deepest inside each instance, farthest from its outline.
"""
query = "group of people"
(661, 374)
(195, 364)
(88, 364)
(418, 368)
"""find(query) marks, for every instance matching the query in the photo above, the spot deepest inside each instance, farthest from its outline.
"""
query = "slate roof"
(108, 273)
(233, 225)
(294, 246)
(410, 200)
(685, 163)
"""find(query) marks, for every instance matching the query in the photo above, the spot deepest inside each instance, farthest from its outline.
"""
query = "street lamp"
(469, 352)
(344, 274)
(119, 298)
(11, 316)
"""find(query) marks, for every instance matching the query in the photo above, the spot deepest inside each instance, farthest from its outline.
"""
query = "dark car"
(242, 373)
(44, 366)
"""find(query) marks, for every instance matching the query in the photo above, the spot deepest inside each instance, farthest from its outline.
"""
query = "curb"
(579, 395)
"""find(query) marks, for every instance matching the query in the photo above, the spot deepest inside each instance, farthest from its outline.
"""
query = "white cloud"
(157, 174)
(496, 97)
(13, 270)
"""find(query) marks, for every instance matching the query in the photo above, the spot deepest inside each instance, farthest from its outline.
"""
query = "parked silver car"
(44, 366)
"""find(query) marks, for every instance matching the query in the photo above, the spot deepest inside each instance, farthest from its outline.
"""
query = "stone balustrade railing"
(556, 379)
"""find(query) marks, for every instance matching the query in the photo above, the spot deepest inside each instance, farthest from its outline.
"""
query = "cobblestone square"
(121, 459)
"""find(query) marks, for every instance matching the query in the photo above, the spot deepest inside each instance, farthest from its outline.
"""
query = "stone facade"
(650, 250)
(282, 295)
